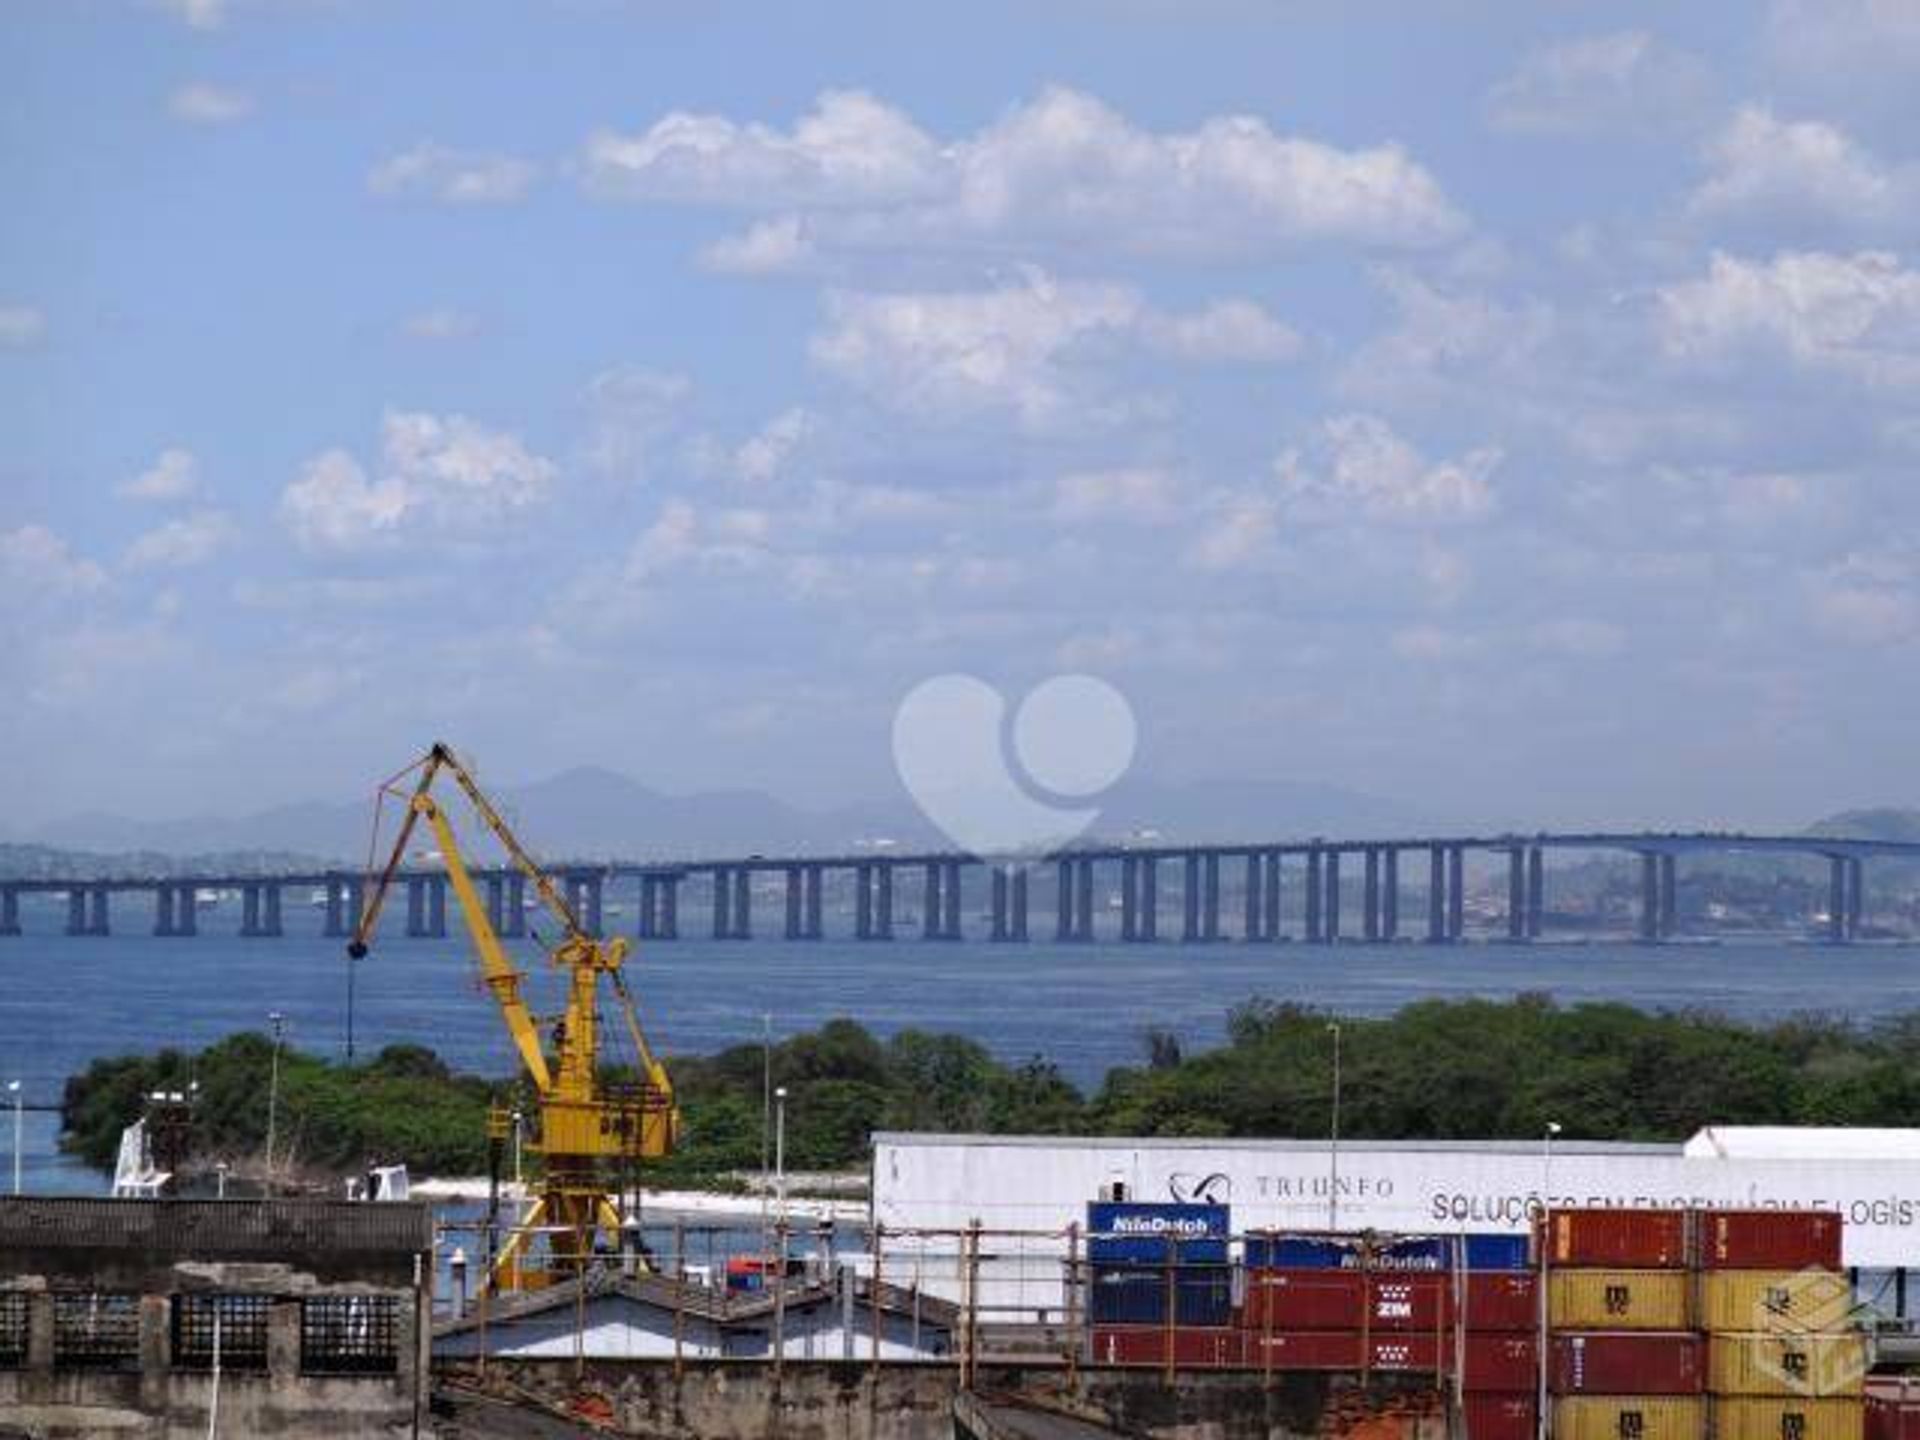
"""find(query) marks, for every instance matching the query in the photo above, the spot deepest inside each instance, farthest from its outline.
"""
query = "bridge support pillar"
(794, 894)
(1669, 910)
(1147, 923)
(1129, 897)
(1370, 895)
(669, 927)
(743, 903)
(1316, 894)
(722, 903)
(163, 910)
(1191, 897)
(1856, 888)
(1083, 899)
(1210, 921)
(336, 918)
(270, 924)
(997, 888)
(1330, 912)
(863, 902)
(950, 902)
(1063, 900)
(1270, 893)
(1436, 894)
(99, 919)
(1390, 894)
(497, 902)
(1536, 890)
(249, 910)
(1456, 893)
(437, 908)
(815, 904)
(417, 909)
(1516, 893)
(1018, 930)
(1649, 896)
(186, 911)
(931, 906)
(1251, 926)
(9, 910)
(883, 901)
(1837, 899)
(516, 912)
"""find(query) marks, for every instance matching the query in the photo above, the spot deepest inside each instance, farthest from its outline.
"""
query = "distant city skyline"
(1509, 412)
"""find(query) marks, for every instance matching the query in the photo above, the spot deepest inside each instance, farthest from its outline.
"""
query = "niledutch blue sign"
(1409, 1252)
(1141, 1234)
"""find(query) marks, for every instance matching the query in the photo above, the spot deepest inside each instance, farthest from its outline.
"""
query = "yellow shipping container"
(1630, 1417)
(1790, 1301)
(1619, 1299)
(1745, 1418)
(1782, 1363)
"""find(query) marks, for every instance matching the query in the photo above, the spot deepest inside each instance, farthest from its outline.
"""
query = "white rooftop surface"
(1809, 1142)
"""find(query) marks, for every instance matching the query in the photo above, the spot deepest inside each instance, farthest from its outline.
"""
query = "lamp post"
(766, 1106)
(1543, 1420)
(278, 1022)
(19, 1103)
(517, 1118)
(1333, 1136)
(780, 1151)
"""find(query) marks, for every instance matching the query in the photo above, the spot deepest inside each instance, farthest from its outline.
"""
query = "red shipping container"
(1499, 1417)
(1343, 1350)
(1193, 1347)
(1500, 1362)
(1502, 1300)
(1409, 1301)
(1769, 1239)
(1893, 1409)
(1305, 1300)
(1616, 1239)
(1627, 1362)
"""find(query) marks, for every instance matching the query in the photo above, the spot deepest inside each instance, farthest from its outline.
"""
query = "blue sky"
(1510, 409)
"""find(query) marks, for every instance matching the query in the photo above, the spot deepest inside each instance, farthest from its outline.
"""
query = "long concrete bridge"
(1160, 892)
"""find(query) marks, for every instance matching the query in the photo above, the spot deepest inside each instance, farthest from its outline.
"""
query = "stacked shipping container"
(1623, 1358)
(1783, 1362)
(1159, 1286)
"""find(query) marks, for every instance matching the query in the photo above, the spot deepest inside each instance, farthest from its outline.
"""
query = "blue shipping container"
(1304, 1252)
(1137, 1234)
(1127, 1296)
(1497, 1252)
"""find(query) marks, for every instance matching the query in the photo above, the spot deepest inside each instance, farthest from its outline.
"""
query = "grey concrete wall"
(839, 1401)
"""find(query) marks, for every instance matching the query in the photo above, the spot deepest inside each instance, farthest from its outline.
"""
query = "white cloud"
(199, 14)
(1598, 85)
(441, 324)
(203, 104)
(21, 327)
(174, 475)
(1859, 313)
(1135, 496)
(769, 247)
(762, 458)
(183, 543)
(1357, 465)
(456, 177)
(443, 471)
(1237, 531)
(633, 411)
(1063, 169)
(36, 563)
(1763, 166)
(1018, 348)
(1227, 330)
(715, 540)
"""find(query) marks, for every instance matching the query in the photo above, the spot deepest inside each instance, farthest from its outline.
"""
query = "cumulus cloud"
(183, 543)
(1762, 166)
(1011, 349)
(764, 456)
(431, 171)
(1357, 465)
(21, 327)
(445, 471)
(1235, 532)
(1064, 168)
(203, 104)
(1858, 314)
(36, 563)
(1598, 85)
(633, 411)
(174, 475)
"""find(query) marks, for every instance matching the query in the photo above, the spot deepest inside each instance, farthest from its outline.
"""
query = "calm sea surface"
(64, 1002)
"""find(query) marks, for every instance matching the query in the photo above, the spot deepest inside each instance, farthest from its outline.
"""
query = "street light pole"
(1543, 1420)
(1333, 1145)
(766, 1107)
(517, 1117)
(19, 1103)
(780, 1150)
(278, 1022)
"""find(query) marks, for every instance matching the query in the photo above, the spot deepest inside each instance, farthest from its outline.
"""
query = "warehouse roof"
(1802, 1142)
(906, 1139)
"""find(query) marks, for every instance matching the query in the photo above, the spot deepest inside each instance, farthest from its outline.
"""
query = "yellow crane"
(590, 1128)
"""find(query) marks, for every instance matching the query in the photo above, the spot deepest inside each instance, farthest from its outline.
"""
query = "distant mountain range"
(589, 812)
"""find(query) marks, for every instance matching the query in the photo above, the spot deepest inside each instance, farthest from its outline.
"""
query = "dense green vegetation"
(1438, 1069)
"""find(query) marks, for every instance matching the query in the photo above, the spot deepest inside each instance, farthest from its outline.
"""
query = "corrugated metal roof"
(215, 1229)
